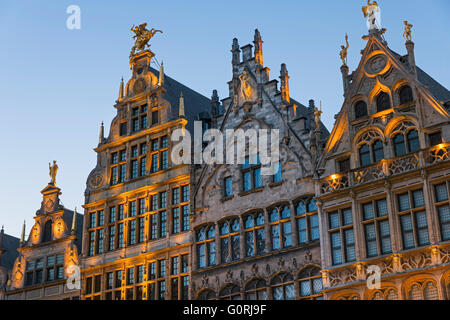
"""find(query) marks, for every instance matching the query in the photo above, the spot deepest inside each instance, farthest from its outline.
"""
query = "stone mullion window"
(251, 175)
(375, 224)
(280, 227)
(206, 246)
(254, 234)
(230, 239)
(442, 207)
(307, 221)
(342, 237)
(413, 221)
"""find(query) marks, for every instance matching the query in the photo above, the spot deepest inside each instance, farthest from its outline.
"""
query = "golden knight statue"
(407, 33)
(53, 170)
(142, 37)
(344, 50)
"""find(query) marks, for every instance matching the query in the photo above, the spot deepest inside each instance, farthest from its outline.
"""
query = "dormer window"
(360, 109)
(383, 102)
(406, 95)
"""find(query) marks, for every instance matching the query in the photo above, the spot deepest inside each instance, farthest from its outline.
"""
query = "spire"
(74, 222)
(101, 136)
(215, 108)
(161, 74)
(181, 108)
(121, 89)
(258, 47)
(284, 77)
(236, 60)
(22, 237)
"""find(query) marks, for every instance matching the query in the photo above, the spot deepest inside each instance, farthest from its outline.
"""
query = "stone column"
(267, 231)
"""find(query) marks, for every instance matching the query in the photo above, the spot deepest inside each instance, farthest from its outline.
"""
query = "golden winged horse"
(142, 37)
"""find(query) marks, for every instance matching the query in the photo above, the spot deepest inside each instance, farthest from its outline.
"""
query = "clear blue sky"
(57, 85)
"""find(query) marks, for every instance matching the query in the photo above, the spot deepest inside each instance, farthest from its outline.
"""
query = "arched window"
(283, 287)
(280, 227)
(255, 237)
(406, 94)
(207, 294)
(413, 141)
(364, 155)
(307, 220)
(229, 240)
(48, 231)
(383, 102)
(310, 283)
(377, 151)
(230, 292)
(423, 291)
(399, 145)
(385, 294)
(256, 290)
(360, 109)
(206, 246)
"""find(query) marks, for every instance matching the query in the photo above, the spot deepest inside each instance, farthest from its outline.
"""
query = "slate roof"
(10, 245)
(194, 102)
(436, 89)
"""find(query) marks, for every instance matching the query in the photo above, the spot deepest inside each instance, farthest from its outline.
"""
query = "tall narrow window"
(307, 221)
(228, 187)
(378, 151)
(342, 236)
(230, 240)
(376, 228)
(254, 234)
(364, 155)
(399, 145)
(206, 246)
(443, 208)
(413, 219)
(251, 174)
(281, 228)
(278, 173)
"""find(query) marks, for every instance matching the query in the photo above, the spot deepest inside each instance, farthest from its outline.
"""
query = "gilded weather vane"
(344, 50)
(407, 33)
(142, 37)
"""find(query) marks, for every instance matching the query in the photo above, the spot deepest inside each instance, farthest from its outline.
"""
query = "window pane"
(419, 200)
(314, 226)
(287, 234)
(364, 155)
(317, 285)
(422, 227)
(403, 202)
(347, 217)
(385, 237)
(382, 209)
(368, 211)
(249, 243)
(305, 288)
(413, 141)
(441, 192)
(290, 292)
(399, 145)
(302, 232)
(278, 293)
(275, 237)
(350, 245)
(334, 220)
(371, 240)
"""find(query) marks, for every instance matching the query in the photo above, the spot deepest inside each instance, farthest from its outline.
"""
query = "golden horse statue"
(142, 37)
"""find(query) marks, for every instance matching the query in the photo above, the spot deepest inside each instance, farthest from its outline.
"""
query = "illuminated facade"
(383, 182)
(49, 258)
(256, 237)
(136, 240)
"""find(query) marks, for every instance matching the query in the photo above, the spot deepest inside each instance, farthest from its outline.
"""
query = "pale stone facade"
(136, 238)
(49, 260)
(383, 182)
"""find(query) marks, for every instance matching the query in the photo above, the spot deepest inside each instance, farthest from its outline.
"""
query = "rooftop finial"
(161, 74)
(142, 37)
(74, 221)
(53, 170)
(22, 236)
(101, 136)
(181, 109)
(344, 51)
(121, 89)
(258, 47)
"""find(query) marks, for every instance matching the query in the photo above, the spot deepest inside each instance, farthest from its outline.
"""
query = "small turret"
(284, 77)
(236, 59)
(181, 113)
(258, 48)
